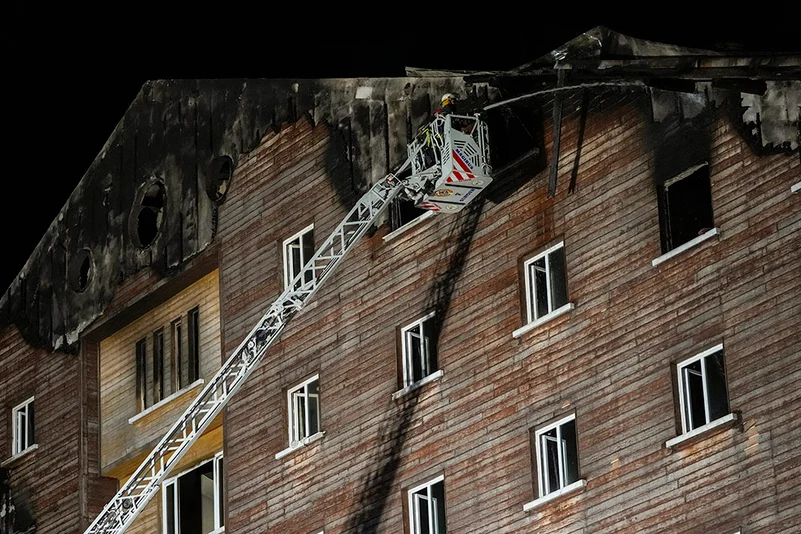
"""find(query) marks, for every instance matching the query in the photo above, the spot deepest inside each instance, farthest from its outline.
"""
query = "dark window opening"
(685, 208)
(147, 217)
(557, 457)
(515, 132)
(193, 363)
(219, 179)
(194, 501)
(402, 212)
(158, 365)
(141, 374)
(80, 271)
(177, 368)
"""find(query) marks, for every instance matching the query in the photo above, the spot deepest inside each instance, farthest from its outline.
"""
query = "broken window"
(427, 508)
(419, 350)
(685, 207)
(193, 358)
(556, 454)
(23, 427)
(146, 218)
(193, 502)
(219, 178)
(702, 389)
(402, 211)
(546, 283)
(304, 410)
(298, 250)
(80, 270)
(158, 365)
(141, 374)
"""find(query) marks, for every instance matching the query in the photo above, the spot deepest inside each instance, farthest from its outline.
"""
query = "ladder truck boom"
(144, 483)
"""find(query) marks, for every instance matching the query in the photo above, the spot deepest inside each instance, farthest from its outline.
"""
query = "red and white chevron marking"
(429, 206)
(462, 175)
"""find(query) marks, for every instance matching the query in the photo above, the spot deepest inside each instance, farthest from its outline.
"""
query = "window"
(403, 211)
(193, 502)
(23, 426)
(298, 250)
(178, 365)
(304, 410)
(702, 389)
(685, 207)
(193, 360)
(427, 508)
(546, 283)
(419, 350)
(141, 374)
(556, 452)
(158, 365)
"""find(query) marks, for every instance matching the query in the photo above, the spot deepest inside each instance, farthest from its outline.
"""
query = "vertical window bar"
(706, 390)
(687, 411)
(306, 410)
(529, 276)
(430, 509)
(560, 458)
(548, 282)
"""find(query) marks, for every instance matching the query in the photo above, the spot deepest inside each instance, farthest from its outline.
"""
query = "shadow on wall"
(15, 517)
(379, 484)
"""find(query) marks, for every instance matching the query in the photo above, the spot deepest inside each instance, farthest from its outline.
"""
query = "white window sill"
(570, 488)
(795, 188)
(700, 430)
(302, 443)
(22, 454)
(544, 319)
(688, 245)
(417, 385)
(166, 400)
(411, 224)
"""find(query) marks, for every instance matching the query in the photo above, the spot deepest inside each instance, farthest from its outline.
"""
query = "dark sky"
(72, 71)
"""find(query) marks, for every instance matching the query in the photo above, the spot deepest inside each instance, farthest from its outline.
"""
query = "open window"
(141, 375)
(304, 410)
(419, 350)
(297, 251)
(402, 212)
(556, 454)
(685, 207)
(427, 508)
(158, 365)
(193, 502)
(702, 389)
(23, 427)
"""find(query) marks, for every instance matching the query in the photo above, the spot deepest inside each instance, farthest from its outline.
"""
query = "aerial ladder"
(448, 167)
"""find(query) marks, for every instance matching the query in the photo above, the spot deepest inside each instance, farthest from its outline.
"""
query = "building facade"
(607, 340)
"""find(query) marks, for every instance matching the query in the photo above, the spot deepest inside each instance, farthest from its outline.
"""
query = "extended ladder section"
(134, 495)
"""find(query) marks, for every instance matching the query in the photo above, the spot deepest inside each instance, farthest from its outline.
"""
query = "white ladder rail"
(134, 495)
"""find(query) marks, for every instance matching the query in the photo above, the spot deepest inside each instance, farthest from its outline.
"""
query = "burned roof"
(164, 165)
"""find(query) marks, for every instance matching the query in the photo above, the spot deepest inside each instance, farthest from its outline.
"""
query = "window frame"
(685, 411)
(140, 351)
(413, 518)
(287, 260)
(219, 496)
(30, 427)
(297, 441)
(530, 295)
(666, 227)
(540, 458)
(407, 368)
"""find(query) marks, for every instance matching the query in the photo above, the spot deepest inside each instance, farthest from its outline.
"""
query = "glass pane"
(716, 386)
(420, 500)
(313, 390)
(308, 252)
(694, 396)
(430, 337)
(550, 461)
(220, 496)
(438, 507)
(299, 402)
(416, 353)
(170, 511)
(206, 473)
(30, 437)
(570, 452)
(556, 262)
(540, 289)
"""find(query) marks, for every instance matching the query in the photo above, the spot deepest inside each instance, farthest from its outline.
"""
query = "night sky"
(71, 71)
